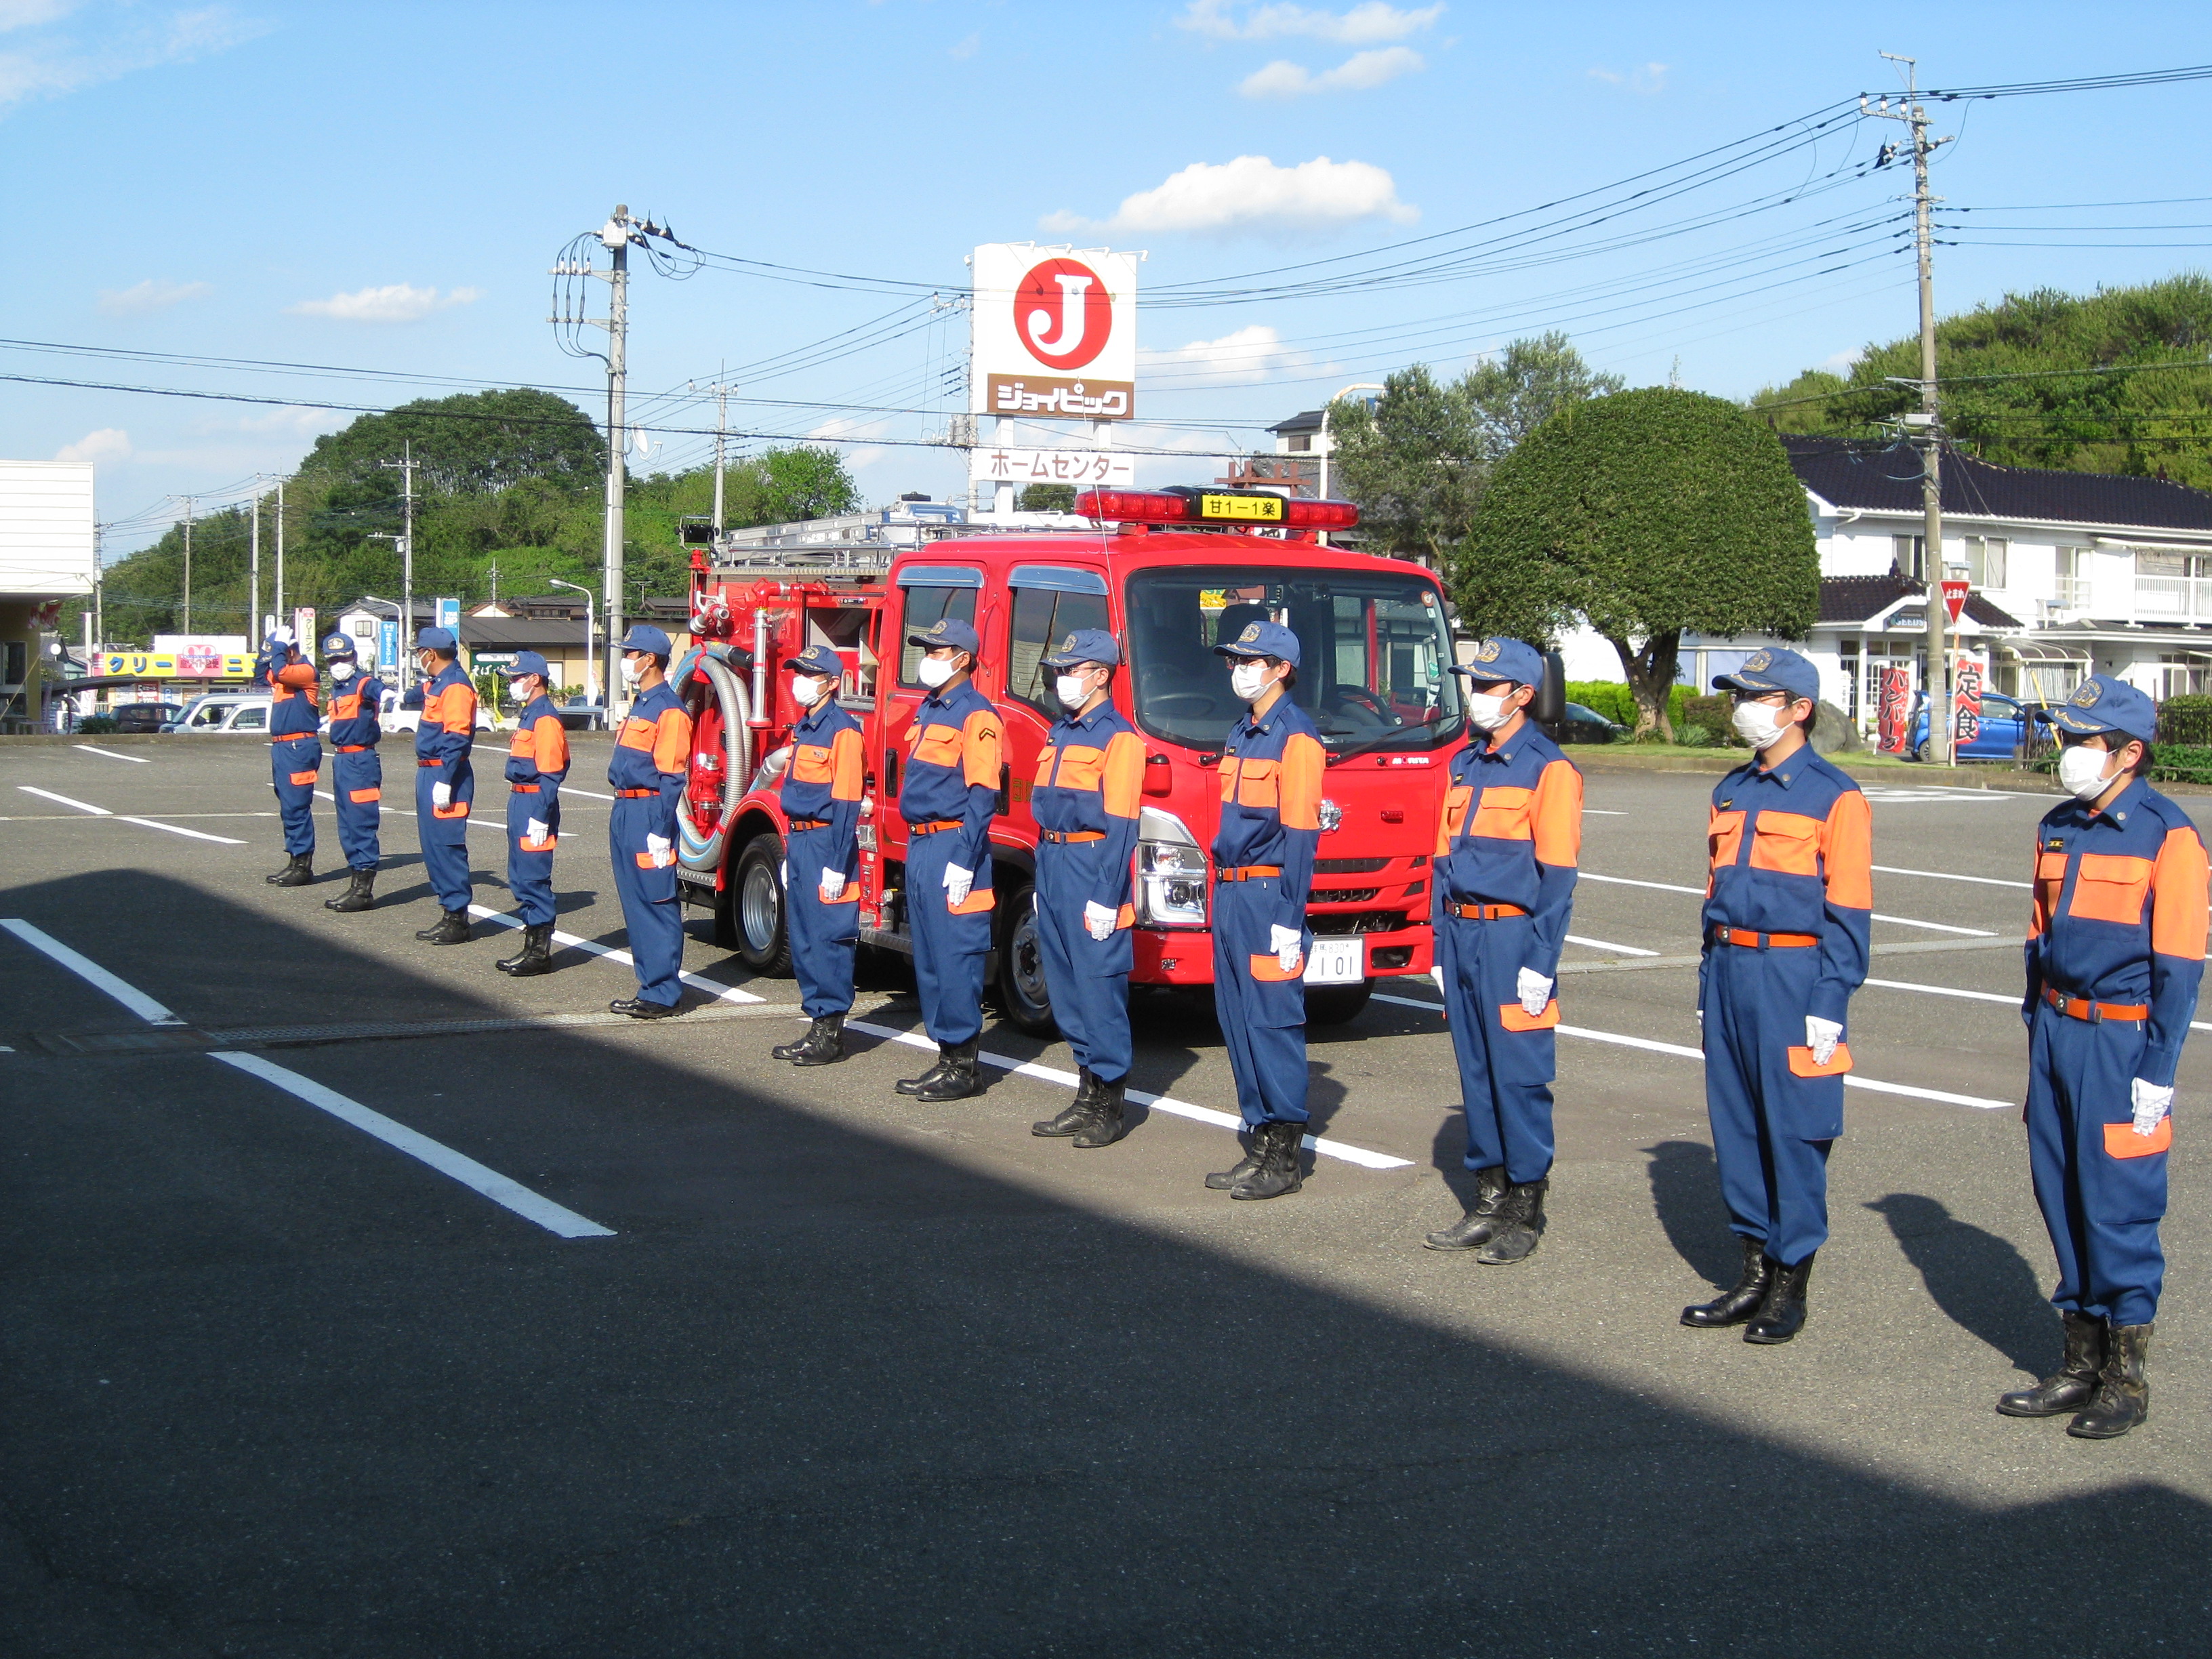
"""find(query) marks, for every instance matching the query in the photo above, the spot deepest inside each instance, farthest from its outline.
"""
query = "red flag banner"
(1893, 720)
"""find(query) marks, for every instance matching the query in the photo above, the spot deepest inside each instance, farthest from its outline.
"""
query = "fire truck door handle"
(891, 772)
(1000, 808)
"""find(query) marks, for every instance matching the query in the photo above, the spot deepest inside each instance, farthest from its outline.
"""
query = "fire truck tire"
(1337, 1005)
(756, 899)
(1022, 996)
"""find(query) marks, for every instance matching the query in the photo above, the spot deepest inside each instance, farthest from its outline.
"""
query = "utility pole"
(721, 392)
(1926, 426)
(253, 573)
(187, 627)
(277, 602)
(406, 465)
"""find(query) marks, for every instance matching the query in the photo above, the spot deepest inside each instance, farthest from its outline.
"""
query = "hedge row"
(1610, 698)
(2186, 720)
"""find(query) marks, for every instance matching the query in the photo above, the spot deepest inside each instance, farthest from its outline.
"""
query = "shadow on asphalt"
(1686, 1193)
(1982, 1284)
(829, 1392)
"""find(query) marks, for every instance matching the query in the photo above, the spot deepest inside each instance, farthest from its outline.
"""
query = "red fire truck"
(1170, 573)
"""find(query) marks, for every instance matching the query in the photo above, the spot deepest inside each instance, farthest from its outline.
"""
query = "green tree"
(1531, 381)
(1802, 405)
(477, 441)
(1648, 513)
(1046, 498)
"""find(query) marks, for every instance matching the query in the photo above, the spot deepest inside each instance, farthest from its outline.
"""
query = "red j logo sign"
(1063, 313)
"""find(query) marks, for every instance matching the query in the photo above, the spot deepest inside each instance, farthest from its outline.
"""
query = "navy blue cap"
(1263, 639)
(435, 639)
(1773, 671)
(818, 659)
(1504, 660)
(528, 662)
(947, 631)
(644, 636)
(337, 644)
(2101, 703)
(1085, 645)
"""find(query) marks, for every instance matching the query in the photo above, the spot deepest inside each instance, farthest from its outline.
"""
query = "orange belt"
(1057, 835)
(635, 794)
(1756, 941)
(1486, 912)
(2094, 1012)
(932, 827)
(424, 762)
(522, 788)
(810, 823)
(353, 748)
(1248, 871)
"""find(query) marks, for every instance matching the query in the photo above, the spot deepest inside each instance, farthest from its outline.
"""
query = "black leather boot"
(536, 955)
(1736, 1306)
(823, 1045)
(451, 928)
(639, 1008)
(1107, 1124)
(1222, 1180)
(930, 1078)
(1278, 1172)
(1480, 1221)
(298, 872)
(960, 1079)
(360, 893)
(2123, 1397)
(1076, 1114)
(1520, 1224)
(2070, 1386)
(1781, 1314)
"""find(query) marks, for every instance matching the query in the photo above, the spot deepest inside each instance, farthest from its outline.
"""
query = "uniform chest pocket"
(1044, 765)
(2109, 887)
(1786, 841)
(810, 763)
(1724, 838)
(938, 745)
(1502, 814)
(1081, 767)
(638, 734)
(1259, 784)
(1456, 803)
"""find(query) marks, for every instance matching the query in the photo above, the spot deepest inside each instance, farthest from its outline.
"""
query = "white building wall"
(47, 542)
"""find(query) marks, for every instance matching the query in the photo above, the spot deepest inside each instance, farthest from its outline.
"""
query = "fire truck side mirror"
(1550, 704)
(1160, 775)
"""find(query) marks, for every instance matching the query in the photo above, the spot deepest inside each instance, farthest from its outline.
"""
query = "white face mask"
(1490, 713)
(2081, 771)
(341, 671)
(525, 688)
(934, 671)
(630, 671)
(1249, 680)
(805, 689)
(1071, 690)
(1757, 724)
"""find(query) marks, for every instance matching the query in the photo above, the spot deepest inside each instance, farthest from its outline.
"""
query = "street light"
(590, 662)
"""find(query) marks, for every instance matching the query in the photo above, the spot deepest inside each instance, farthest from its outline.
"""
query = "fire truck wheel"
(1337, 1005)
(757, 899)
(1023, 995)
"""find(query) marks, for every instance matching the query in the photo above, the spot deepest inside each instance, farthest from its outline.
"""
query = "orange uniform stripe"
(980, 740)
(1847, 847)
(672, 743)
(457, 708)
(848, 767)
(552, 744)
(1123, 792)
(2177, 886)
(1305, 764)
(1557, 815)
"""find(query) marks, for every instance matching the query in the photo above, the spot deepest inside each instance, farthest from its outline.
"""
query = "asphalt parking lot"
(362, 1301)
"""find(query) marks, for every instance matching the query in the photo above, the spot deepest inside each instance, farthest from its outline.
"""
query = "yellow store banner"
(168, 665)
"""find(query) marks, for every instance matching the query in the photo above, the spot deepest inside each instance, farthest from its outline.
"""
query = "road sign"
(1954, 597)
(387, 642)
(449, 615)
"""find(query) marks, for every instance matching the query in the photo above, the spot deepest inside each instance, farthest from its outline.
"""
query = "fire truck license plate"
(1268, 509)
(1337, 962)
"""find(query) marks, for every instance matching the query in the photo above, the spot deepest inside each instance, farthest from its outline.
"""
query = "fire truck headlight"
(1170, 872)
(1331, 817)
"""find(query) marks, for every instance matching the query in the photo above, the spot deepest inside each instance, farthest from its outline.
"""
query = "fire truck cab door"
(927, 592)
(1050, 602)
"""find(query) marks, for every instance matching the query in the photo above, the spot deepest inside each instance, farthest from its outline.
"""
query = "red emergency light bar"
(1191, 505)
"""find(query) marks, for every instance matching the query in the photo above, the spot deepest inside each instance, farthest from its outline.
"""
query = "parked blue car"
(2004, 729)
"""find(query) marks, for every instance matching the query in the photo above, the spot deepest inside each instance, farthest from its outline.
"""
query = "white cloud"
(397, 302)
(154, 294)
(1358, 73)
(1645, 77)
(110, 444)
(50, 63)
(288, 422)
(1249, 355)
(965, 49)
(1251, 193)
(851, 433)
(1363, 25)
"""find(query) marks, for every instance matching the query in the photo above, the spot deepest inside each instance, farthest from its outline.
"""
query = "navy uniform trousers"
(295, 765)
(823, 936)
(1772, 1128)
(1506, 1076)
(949, 951)
(530, 859)
(646, 882)
(357, 781)
(1263, 1011)
(1088, 977)
(445, 832)
(2101, 1186)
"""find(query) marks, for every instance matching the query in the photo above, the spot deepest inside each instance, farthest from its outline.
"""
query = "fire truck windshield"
(1373, 648)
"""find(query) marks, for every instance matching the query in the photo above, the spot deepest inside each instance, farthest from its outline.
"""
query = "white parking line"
(571, 789)
(82, 806)
(1934, 927)
(507, 1193)
(176, 830)
(1945, 991)
(1624, 881)
(135, 760)
(1606, 945)
(1699, 892)
(1337, 1149)
(713, 987)
(93, 974)
(1948, 875)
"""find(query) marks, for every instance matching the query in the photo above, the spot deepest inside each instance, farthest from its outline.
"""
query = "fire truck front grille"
(1349, 866)
(1356, 921)
(1346, 895)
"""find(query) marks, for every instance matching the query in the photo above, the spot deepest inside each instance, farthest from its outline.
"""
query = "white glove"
(441, 794)
(284, 636)
(657, 845)
(534, 830)
(833, 883)
(2152, 1103)
(1284, 943)
(958, 881)
(1534, 991)
(1099, 920)
(1822, 1037)
(783, 874)
(778, 760)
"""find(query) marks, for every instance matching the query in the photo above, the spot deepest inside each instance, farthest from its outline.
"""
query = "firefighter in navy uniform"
(1263, 858)
(2115, 953)
(948, 792)
(296, 756)
(1506, 855)
(444, 787)
(824, 778)
(356, 773)
(537, 762)
(1090, 788)
(652, 758)
(1786, 919)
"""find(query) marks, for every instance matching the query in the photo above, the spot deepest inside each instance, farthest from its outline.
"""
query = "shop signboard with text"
(1970, 673)
(1894, 720)
(1054, 333)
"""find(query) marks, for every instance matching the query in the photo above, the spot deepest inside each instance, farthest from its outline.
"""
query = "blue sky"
(383, 188)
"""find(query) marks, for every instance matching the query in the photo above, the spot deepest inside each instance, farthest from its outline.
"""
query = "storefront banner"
(1893, 725)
